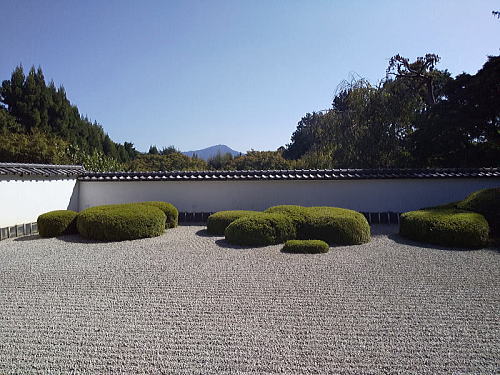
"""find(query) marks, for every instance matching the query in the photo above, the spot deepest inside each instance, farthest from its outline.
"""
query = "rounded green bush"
(260, 230)
(337, 226)
(298, 214)
(118, 222)
(306, 246)
(446, 227)
(168, 209)
(218, 222)
(56, 223)
(487, 203)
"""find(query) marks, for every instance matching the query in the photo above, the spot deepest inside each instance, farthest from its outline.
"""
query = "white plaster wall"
(397, 195)
(22, 199)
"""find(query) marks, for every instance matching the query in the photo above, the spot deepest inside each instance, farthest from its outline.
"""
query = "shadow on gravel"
(192, 224)
(75, 238)
(204, 233)
(226, 245)
(32, 237)
(404, 241)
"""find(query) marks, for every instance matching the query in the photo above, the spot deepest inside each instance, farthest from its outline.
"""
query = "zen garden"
(353, 226)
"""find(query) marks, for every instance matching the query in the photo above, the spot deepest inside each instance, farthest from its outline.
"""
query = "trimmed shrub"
(446, 227)
(118, 222)
(168, 209)
(487, 203)
(56, 223)
(260, 230)
(306, 246)
(337, 226)
(218, 222)
(445, 206)
(298, 214)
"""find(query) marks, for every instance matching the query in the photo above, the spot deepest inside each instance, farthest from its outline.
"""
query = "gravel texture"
(189, 303)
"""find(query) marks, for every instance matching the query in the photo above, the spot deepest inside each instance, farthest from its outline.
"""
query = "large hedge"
(298, 214)
(168, 209)
(446, 227)
(336, 226)
(306, 246)
(120, 222)
(261, 230)
(218, 222)
(487, 203)
(56, 223)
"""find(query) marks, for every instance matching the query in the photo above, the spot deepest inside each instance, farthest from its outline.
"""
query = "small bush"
(218, 222)
(260, 230)
(306, 246)
(168, 209)
(487, 203)
(334, 225)
(56, 223)
(446, 227)
(120, 222)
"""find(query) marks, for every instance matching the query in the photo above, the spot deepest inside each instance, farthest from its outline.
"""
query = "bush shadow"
(204, 233)
(76, 238)
(226, 245)
(422, 245)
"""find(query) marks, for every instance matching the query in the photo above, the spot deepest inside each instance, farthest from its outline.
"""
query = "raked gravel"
(188, 303)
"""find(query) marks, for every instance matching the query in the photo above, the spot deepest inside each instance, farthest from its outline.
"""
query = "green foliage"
(446, 227)
(153, 150)
(265, 160)
(121, 222)
(57, 223)
(95, 161)
(336, 226)
(333, 225)
(218, 222)
(220, 161)
(41, 108)
(417, 117)
(172, 162)
(170, 211)
(8, 123)
(260, 230)
(306, 246)
(298, 214)
(487, 203)
(462, 129)
(35, 147)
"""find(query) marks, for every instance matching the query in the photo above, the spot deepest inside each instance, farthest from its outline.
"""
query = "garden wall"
(366, 195)
(23, 198)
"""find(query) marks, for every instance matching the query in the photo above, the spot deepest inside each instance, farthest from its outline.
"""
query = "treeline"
(417, 116)
(38, 124)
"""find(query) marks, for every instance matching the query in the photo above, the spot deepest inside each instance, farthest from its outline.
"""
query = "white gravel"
(189, 303)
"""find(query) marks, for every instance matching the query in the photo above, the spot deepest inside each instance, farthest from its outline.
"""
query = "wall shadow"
(73, 200)
(31, 237)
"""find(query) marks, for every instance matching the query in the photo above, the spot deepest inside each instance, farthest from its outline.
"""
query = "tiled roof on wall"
(46, 170)
(320, 174)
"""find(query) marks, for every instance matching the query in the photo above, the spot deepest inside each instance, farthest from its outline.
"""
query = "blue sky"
(242, 73)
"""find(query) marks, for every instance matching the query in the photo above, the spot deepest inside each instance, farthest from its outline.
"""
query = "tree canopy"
(417, 116)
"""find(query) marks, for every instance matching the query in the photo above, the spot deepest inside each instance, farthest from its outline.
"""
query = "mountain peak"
(209, 152)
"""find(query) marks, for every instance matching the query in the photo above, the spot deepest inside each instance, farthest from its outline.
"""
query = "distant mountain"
(212, 151)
